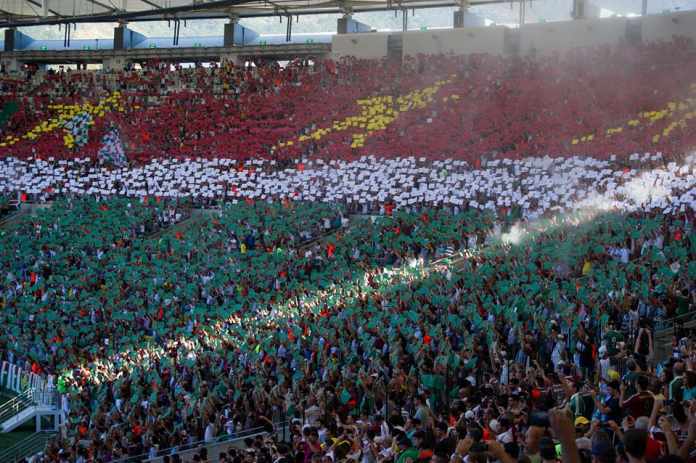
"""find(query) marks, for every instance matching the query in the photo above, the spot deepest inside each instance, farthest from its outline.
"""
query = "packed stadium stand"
(477, 254)
(616, 100)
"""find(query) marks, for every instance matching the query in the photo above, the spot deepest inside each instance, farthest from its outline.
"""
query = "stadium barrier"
(220, 444)
(18, 380)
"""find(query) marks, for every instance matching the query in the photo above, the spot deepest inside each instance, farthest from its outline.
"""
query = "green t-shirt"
(676, 389)
(411, 453)
(682, 305)
(630, 380)
(613, 338)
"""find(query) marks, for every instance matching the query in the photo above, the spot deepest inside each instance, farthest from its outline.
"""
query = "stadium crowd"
(358, 288)
(530, 187)
(231, 324)
(617, 100)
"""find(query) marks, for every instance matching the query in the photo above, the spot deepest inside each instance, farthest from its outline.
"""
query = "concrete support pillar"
(464, 18)
(120, 33)
(347, 25)
(228, 39)
(15, 40)
(237, 35)
(584, 9)
(125, 38)
(458, 20)
(10, 35)
(579, 11)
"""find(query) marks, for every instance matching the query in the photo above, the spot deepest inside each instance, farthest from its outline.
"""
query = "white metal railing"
(27, 447)
(38, 403)
(188, 450)
(15, 405)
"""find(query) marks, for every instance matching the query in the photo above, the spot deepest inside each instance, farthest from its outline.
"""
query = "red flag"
(330, 249)
(32, 278)
(23, 197)
(179, 235)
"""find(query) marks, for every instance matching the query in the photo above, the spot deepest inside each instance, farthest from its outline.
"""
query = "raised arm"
(564, 431)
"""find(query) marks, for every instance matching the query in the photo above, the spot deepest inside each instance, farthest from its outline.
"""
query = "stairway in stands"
(13, 413)
(395, 47)
(29, 405)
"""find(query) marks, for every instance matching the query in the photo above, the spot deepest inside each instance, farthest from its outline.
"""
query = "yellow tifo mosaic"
(65, 112)
(376, 113)
(650, 117)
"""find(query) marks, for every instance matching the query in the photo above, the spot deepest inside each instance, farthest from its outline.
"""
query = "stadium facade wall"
(361, 45)
(665, 26)
(457, 41)
(547, 38)
(538, 38)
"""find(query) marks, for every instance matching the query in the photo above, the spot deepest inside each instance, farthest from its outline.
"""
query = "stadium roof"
(15, 13)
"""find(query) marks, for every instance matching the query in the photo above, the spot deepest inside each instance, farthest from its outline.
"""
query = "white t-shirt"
(604, 366)
(209, 433)
(506, 437)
